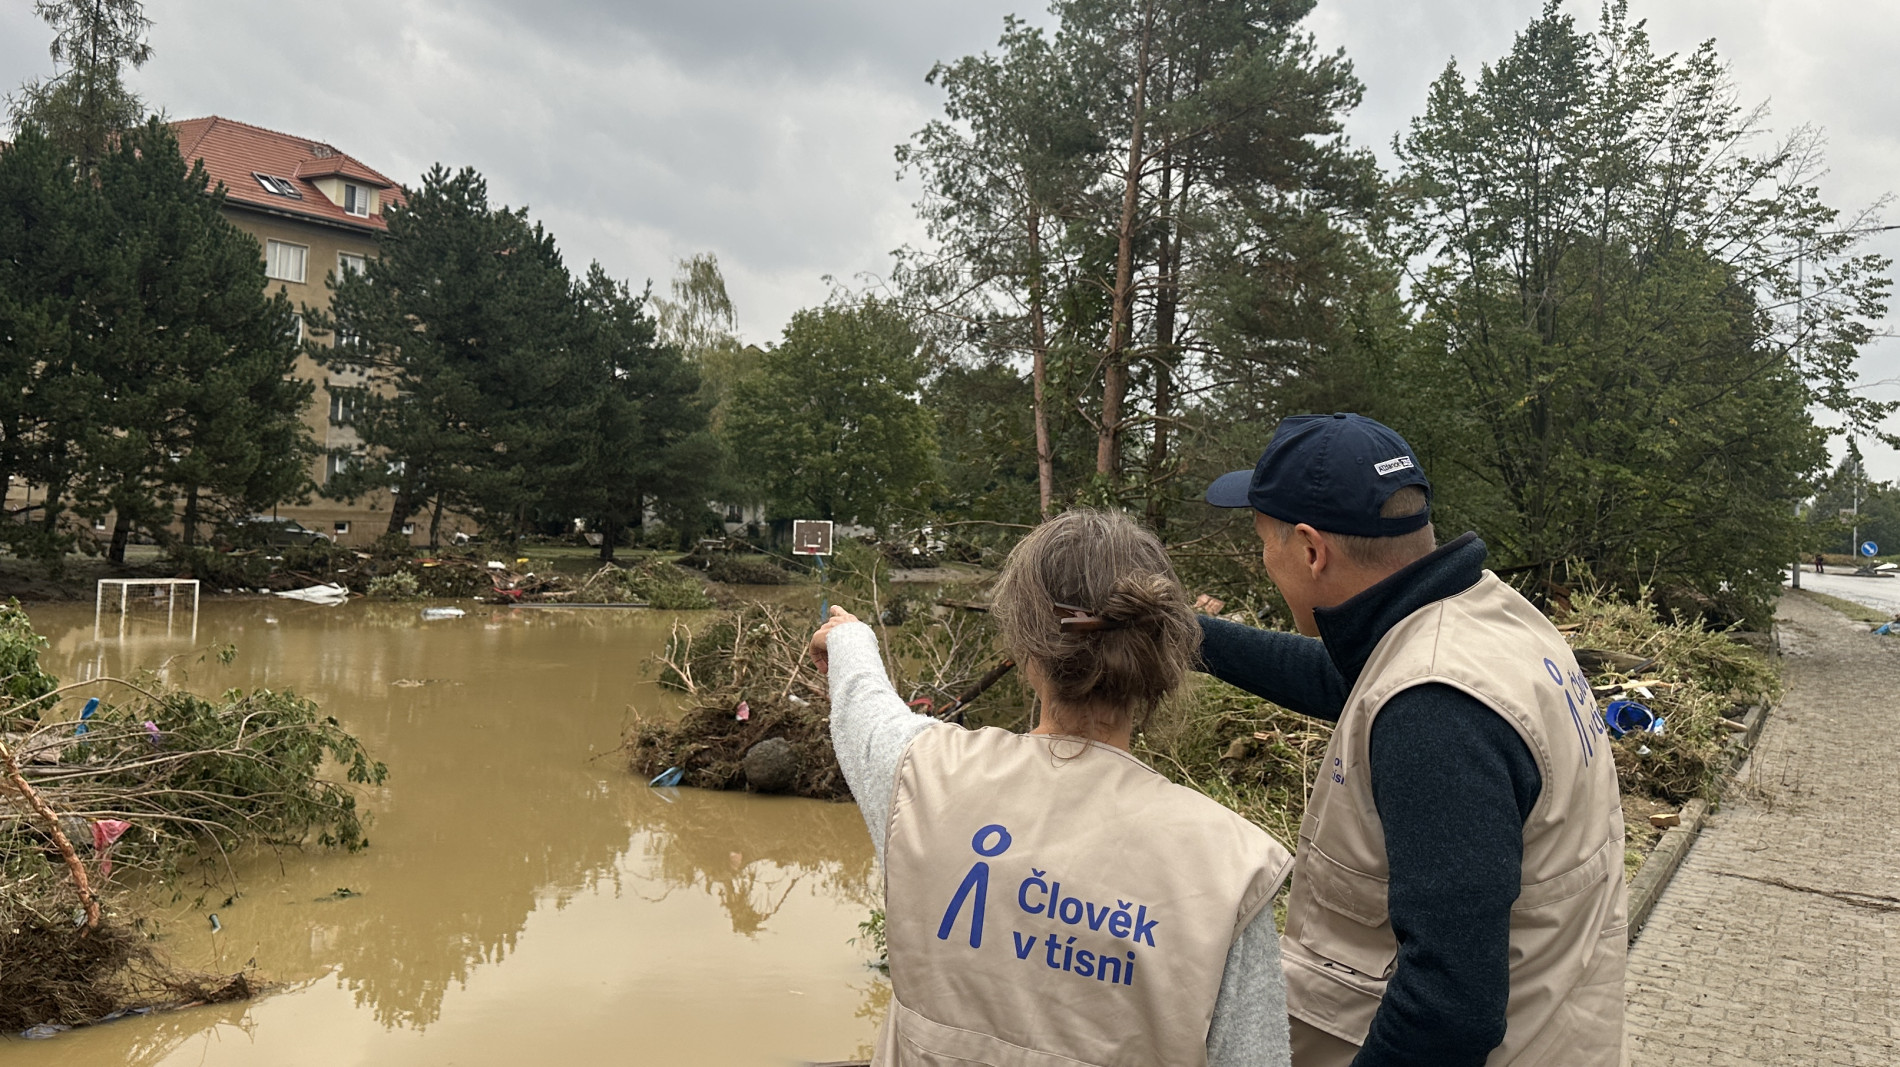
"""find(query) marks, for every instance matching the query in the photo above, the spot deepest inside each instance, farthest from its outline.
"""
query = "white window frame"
(296, 327)
(341, 526)
(408, 529)
(355, 197)
(272, 248)
(351, 263)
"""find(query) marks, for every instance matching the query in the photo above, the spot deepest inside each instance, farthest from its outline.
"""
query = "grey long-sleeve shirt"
(870, 728)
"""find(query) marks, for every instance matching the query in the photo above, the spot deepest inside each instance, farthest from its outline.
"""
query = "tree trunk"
(401, 506)
(1039, 352)
(609, 538)
(435, 526)
(121, 536)
(1122, 299)
(190, 519)
(1167, 303)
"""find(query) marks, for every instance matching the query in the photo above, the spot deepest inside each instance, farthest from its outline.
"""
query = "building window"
(284, 261)
(338, 464)
(350, 263)
(342, 406)
(342, 527)
(355, 200)
(295, 333)
(408, 529)
(277, 186)
(99, 525)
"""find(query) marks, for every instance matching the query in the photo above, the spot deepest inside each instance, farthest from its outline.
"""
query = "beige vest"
(1052, 901)
(1568, 927)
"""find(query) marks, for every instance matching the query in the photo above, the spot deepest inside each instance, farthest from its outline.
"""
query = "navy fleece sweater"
(1452, 782)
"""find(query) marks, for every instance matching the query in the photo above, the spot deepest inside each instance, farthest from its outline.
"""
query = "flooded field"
(521, 900)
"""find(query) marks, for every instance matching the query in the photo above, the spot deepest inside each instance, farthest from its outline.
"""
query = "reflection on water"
(521, 898)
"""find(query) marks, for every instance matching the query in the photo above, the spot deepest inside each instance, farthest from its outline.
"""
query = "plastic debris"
(1629, 717)
(317, 594)
(44, 1031)
(91, 706)
(104, 833)
(152, 733)
(744, 711)
(443, 613)
(669, 776)
(215, 924)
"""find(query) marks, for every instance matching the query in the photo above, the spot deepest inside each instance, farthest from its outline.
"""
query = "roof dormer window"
(355, 200)
(277, 186)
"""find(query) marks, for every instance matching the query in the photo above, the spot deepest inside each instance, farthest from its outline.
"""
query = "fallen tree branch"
(60, 841)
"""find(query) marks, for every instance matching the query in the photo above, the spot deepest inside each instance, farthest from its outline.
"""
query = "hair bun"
(1143, 601)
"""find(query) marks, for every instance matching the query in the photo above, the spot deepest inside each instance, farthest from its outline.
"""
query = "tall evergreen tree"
(87, 102)
(1154, 204)
(644, 440)
(1611, 366)
(466, 324)
(153, 365)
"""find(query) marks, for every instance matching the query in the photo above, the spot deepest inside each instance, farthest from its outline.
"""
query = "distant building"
(315, 211)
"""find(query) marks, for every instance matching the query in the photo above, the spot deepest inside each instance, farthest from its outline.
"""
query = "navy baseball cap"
(1333, 472)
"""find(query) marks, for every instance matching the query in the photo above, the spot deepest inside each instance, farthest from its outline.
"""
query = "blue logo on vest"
(976, 883)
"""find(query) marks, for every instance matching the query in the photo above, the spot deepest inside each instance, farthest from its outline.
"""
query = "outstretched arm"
(870, 724)
(1292, 671)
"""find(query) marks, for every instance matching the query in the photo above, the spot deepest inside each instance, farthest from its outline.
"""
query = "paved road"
(1882, 594)
(1778, 942)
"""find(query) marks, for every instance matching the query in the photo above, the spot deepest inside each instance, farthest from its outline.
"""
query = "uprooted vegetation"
(1241, 750)
(150, 780)
(746, 678)
(1696, 678)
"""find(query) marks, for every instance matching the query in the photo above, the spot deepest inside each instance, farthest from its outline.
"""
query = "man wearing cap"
(1457, 890)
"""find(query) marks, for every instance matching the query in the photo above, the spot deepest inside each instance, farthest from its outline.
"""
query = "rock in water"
(771, 766)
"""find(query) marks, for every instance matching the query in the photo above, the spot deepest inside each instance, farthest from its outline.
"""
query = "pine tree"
(86, 104)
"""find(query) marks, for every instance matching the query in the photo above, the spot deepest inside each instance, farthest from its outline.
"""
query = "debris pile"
(1696, 681)
(142, 777)
(747, 681)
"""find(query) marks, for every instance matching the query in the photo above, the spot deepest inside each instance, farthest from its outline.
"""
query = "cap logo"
(1392, 466)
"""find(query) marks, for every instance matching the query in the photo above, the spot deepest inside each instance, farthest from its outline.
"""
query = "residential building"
(316, 212)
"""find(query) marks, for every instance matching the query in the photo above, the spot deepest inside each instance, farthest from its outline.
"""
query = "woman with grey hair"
(1048, 897)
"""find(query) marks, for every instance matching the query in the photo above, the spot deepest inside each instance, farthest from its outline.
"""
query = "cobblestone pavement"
(1778, 942)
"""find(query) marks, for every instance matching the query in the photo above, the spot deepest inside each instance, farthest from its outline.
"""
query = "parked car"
(274, 532)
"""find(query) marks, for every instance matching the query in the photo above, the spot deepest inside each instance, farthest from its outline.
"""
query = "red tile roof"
(233, 152)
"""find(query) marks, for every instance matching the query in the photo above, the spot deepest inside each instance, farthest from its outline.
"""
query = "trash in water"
(318, 594)
(104, 833)
(215, 924)
(443, 613)
(744, 711)
(343, 892)
(44, 1031)
(1629, 717)
(669, 776)
(91, 706)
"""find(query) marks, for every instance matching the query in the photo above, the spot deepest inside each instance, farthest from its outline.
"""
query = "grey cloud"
(762, 129)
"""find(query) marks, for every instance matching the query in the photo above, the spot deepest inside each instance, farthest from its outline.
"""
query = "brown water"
(520, 902)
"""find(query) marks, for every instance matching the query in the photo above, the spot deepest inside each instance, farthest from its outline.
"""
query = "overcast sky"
(642, 131)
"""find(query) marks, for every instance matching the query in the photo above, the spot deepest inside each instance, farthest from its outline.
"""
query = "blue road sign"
(1868, 548)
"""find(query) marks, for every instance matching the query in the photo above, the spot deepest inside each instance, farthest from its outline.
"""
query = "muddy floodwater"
(520, 902)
